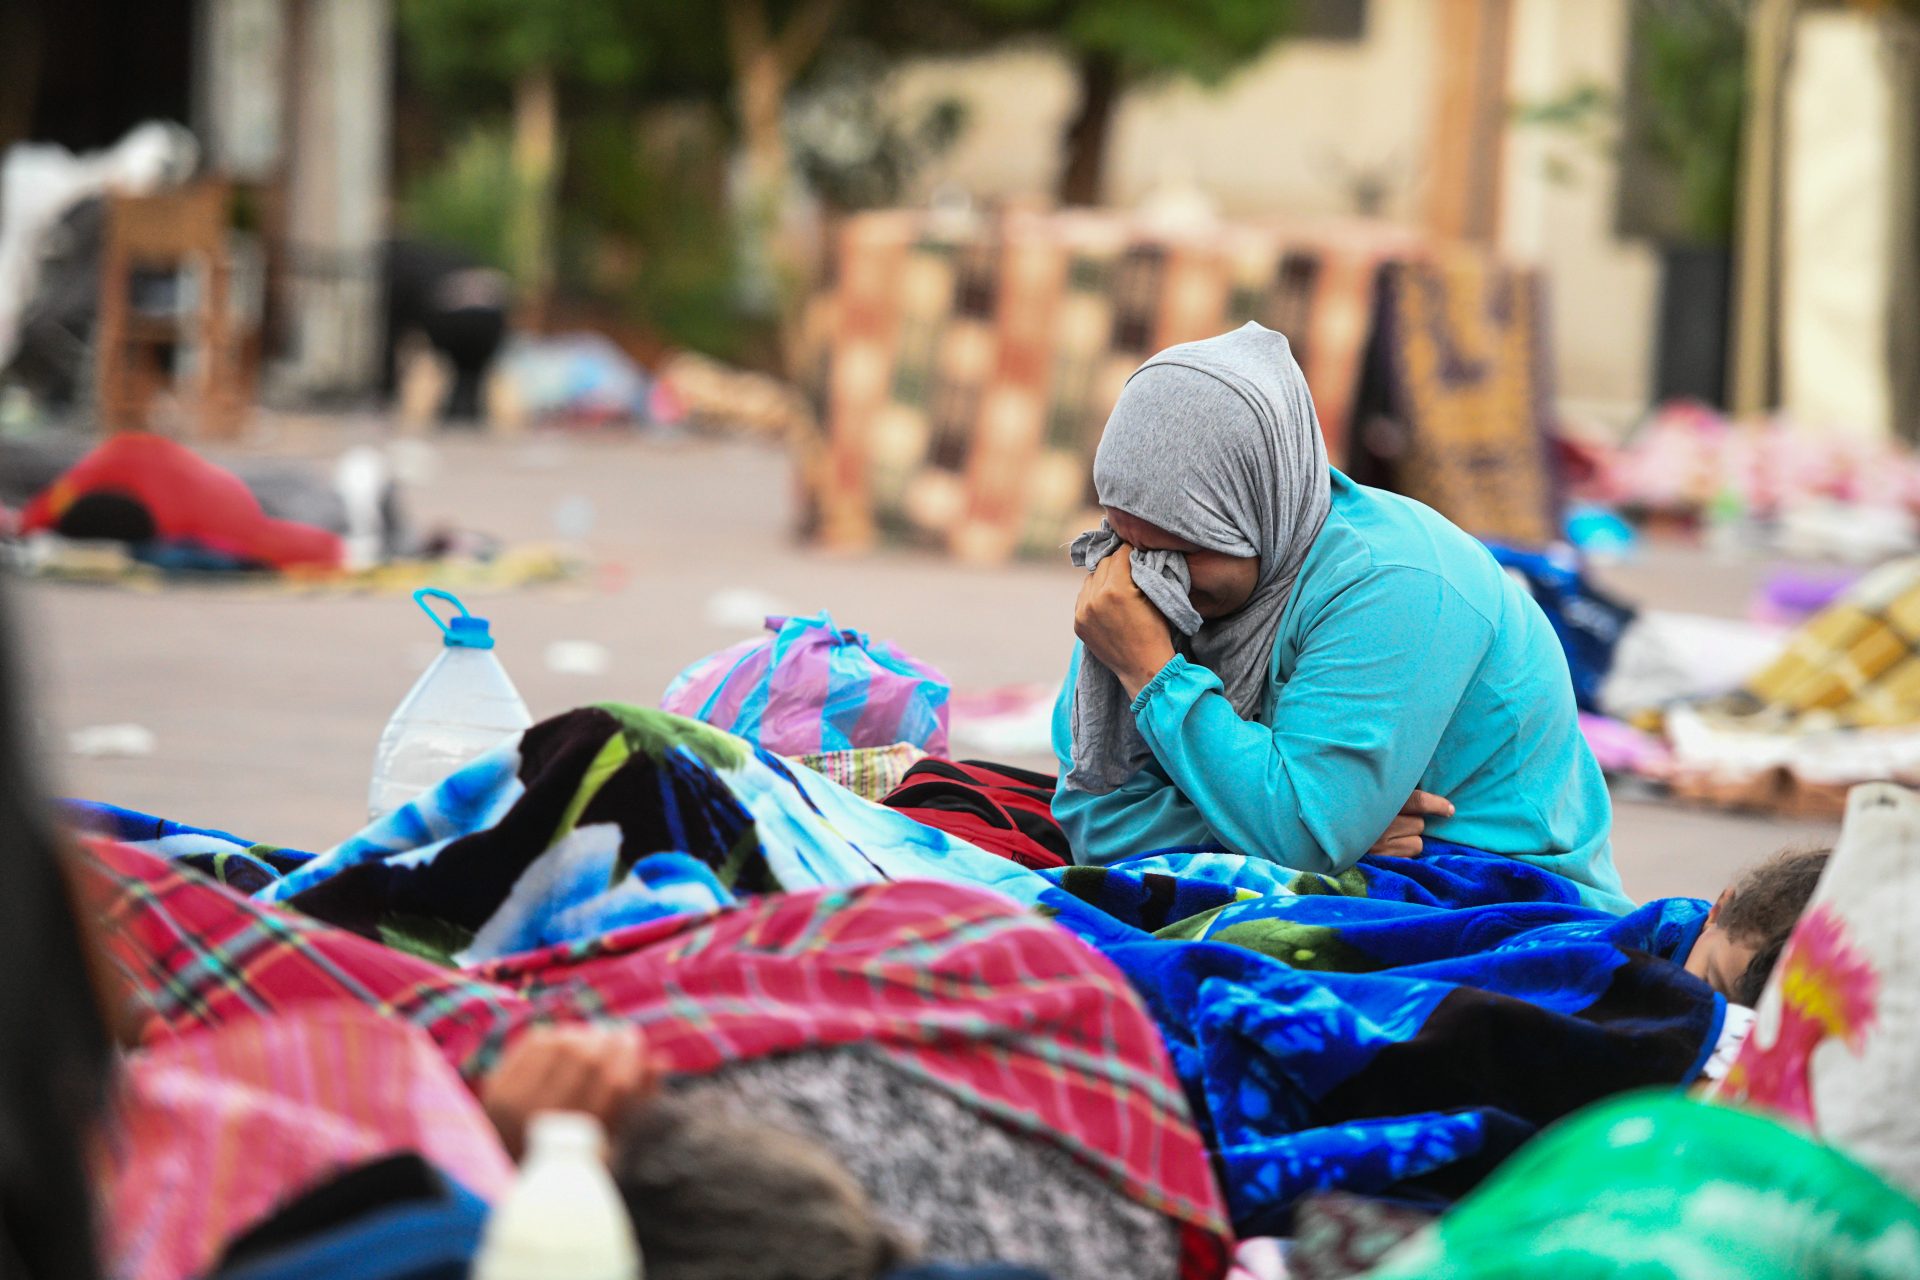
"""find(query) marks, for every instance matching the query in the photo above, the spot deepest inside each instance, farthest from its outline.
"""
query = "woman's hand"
(1403, 837)
(1119, 625)
(599, 1069)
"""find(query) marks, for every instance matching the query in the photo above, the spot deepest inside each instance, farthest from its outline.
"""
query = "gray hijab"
(1215, 441)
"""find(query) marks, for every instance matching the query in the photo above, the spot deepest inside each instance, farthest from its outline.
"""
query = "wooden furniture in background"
(184, 232)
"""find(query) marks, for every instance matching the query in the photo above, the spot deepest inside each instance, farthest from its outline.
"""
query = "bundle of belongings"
(1752, 716)
(1739, 714)
(1170, 1066)
(1775, 483)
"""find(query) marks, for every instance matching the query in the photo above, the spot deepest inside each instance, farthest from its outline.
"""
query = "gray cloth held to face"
(1161, 575)
(1215, 442)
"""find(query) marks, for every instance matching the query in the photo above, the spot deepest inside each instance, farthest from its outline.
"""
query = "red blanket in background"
(190, 500)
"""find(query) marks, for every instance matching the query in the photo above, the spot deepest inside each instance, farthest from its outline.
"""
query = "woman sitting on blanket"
(1273, 658)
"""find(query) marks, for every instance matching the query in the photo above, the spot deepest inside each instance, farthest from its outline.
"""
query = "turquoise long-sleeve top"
(1406, 659)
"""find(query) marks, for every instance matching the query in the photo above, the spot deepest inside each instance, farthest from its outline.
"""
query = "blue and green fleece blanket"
(1397, 1030)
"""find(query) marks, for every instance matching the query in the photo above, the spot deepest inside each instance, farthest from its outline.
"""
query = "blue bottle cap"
(463, 630)
(468, 632)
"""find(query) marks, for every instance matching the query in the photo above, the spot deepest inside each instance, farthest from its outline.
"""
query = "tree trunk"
(1083, 175)
(536, 162)
(765, 64)
(760, 93)
(1469, 119)
(1755, 372)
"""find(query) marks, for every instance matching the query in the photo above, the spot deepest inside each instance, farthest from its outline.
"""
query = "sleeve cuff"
(1175, 665)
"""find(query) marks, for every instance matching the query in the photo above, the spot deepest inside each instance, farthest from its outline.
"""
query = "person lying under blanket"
(991, 1086)
(187, 942)
(1273, 658)
(366, 1156)
(151, 492)
(1751, 921)
(1391, 1046)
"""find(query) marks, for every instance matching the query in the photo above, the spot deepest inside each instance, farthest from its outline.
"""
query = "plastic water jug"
(563, 1218)
(463, 707)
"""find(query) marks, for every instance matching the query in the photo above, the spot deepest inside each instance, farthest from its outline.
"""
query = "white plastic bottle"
(461, 708)
(563, 1219)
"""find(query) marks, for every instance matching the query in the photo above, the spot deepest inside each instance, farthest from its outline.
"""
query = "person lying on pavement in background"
(1273, 658)
(147, 490)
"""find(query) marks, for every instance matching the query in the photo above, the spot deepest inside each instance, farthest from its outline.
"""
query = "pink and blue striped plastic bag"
(813, 687)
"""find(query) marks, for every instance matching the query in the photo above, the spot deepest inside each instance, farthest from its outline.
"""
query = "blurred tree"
(606, 58)
(642, 241)
(1116, 45)
(854, 147)
(622, 54)
(1691, 83)
(770, 43)
(458, 45)
(466, 201)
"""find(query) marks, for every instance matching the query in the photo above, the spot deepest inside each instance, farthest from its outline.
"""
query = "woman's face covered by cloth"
(1222, 583)
(1213, 451)
(1212, 471)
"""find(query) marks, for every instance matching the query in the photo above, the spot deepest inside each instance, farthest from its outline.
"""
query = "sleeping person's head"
(1213, 450)
(714, 1197)
(1749, 925)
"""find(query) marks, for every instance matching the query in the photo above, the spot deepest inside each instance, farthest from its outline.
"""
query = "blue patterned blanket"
(1390, 1046)
(1395, 1030)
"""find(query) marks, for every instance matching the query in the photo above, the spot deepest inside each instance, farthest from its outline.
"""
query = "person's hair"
(109, 517)
(1767, 903)
(55, 1048)
(714, 1197)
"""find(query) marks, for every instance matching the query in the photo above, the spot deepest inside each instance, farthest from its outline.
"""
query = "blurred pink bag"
(812, 687)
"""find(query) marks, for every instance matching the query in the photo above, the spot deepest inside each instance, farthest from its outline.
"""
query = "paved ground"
(267, 708)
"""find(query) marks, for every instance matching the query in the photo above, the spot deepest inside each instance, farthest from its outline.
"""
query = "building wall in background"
(1605, 289)
(1288, 134)
(1302, 130)
(1296, 131)
(1850, 227)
